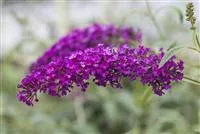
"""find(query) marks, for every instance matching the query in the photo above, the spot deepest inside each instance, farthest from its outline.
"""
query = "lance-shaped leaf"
(175, 9)
(190, 80)
(169, 54)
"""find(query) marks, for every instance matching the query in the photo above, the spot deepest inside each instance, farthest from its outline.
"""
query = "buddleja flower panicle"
(80, 39)
(104, 65)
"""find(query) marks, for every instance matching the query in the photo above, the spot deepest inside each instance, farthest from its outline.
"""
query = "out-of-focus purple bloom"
(80, 39)
(103, 65)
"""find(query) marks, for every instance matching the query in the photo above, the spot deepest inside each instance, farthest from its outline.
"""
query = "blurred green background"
(28, 28)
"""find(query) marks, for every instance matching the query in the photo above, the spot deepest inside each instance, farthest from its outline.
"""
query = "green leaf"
(194, 49)
(190, 80)
(179, 12)
(166, 44)
(169, 54)
(176, 9)
(197, 40)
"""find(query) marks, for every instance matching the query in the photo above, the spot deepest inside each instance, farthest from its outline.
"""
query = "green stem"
(152, 17)
(195, 39)
(146, 96)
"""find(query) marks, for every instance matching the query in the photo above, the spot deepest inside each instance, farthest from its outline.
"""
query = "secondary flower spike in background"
(82, 38)
(104, 65)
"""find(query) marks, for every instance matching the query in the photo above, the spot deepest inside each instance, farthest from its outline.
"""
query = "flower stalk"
(146, 96)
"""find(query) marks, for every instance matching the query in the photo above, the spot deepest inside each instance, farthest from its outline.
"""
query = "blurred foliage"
(102, 110)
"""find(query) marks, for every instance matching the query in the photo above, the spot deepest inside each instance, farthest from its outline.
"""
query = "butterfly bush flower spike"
(105, 65)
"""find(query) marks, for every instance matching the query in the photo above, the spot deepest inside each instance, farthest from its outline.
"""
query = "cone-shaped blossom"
(82, 38)
(104, 65)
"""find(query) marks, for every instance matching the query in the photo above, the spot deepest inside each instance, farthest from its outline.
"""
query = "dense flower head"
(104, 65)
(82, 38)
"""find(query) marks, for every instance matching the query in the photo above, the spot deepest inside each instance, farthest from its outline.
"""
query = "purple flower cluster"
(80, 39)
(103, 65)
